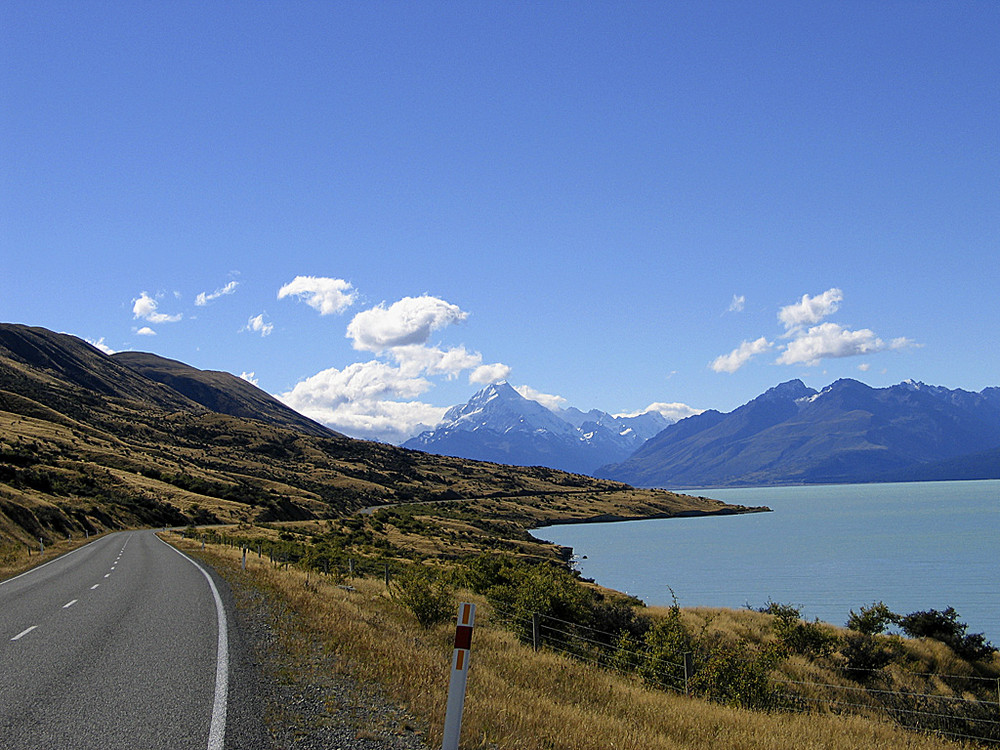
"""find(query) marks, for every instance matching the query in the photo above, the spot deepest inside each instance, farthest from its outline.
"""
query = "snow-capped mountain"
(847, 432)
(499, 424)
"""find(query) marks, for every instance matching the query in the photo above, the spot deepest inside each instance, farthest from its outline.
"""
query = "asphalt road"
(123, 643)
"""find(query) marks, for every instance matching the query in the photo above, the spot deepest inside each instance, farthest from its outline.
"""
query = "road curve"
(123, 643)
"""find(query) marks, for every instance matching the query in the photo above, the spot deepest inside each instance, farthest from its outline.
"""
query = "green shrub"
(872, 620)
(427, 594)
(864, 653)
(805, 638)
(737, 675)
(664, 646)
(947, 628)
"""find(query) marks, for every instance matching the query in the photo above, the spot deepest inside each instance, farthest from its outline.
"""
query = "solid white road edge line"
(217, 731)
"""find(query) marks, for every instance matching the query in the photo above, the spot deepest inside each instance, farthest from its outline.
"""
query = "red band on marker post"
(463, 637)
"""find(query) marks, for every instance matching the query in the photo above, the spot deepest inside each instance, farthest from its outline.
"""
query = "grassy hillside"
(567, 696)
(88, 443)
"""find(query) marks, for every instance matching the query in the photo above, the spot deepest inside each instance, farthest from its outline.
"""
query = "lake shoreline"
(828, 548)
(728, 510)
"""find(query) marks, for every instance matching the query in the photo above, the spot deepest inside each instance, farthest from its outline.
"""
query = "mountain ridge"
(498, 424)
(847, 432)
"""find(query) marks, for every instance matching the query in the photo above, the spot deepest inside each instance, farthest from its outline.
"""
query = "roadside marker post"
(459, 676)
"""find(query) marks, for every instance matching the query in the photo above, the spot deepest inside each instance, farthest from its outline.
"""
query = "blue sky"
(385, 205)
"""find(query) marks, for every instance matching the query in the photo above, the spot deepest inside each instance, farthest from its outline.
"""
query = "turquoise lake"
(828, 549)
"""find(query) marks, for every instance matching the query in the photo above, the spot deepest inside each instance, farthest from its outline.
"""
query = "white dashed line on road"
(94, 586)
(23, 633)
(70, 604)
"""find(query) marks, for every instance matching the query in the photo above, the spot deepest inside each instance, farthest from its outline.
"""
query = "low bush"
(427, 594)
(946, 627)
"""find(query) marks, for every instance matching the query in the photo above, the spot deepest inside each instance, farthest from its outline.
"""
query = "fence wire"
(955, 717)
(950, 716)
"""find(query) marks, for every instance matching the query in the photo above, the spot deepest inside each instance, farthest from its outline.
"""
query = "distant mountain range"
(498, 424)
(848, 432)
(792, 434)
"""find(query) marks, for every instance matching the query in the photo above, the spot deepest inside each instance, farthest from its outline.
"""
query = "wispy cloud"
(738, 303)
(812, 341)
(146, 307)
(99, 344)
(740, 355)
(810, 310)
(548, 400)
(431, 360)
(672, 412)
(257, 324)
(328, 296)
(204, 298)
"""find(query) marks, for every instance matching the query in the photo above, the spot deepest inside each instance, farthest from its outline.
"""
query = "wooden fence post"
(688, 671)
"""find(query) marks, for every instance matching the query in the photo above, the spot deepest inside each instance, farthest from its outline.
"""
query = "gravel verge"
(309, 702)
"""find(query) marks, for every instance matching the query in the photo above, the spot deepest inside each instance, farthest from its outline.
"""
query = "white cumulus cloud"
(830, 340)
(429, 360)
(250, 377)
(740, 355)
(328, 296)
(145, 307)
(811, 341)
(145, 331)
(486, 374)
(409, 321)
(548, 400)
(371, 400)
(204, 298)
(257, 324)
(810, 310)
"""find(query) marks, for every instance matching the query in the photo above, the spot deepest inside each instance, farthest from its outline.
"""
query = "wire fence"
(964, 714)
(956, 716)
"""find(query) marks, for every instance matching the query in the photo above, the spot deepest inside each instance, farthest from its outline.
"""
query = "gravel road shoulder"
(307, 701)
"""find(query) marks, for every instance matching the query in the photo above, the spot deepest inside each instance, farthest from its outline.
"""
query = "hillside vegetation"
(88, 442)
(361, 537)
(601, 672)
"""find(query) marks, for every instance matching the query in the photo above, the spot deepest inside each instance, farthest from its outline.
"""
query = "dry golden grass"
(521, 700)
(15, 558)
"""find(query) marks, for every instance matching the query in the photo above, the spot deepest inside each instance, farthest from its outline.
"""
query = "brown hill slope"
(88, 443)
(220, 392)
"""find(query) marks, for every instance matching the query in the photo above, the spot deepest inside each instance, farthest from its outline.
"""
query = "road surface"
(123, 643)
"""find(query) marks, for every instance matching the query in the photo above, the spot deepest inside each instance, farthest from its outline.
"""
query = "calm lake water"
(830, 549)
